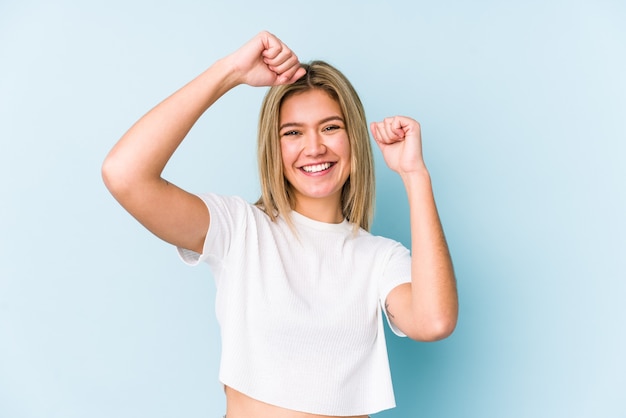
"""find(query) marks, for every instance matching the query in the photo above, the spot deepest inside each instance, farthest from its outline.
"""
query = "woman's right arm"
(132, 169)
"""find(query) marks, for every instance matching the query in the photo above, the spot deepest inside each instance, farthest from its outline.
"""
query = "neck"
(321, 210)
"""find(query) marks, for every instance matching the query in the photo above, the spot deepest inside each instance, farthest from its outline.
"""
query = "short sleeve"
(397, 271)
(225, 215)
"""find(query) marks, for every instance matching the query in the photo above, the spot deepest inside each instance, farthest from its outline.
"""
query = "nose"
(314, 145)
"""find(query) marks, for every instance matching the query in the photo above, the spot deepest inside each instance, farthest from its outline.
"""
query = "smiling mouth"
(316, 168)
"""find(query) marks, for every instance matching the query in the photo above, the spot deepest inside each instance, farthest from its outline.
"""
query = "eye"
(330, 128)
(290, 133)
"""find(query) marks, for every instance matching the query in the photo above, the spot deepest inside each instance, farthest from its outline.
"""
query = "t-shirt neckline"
(300, 219)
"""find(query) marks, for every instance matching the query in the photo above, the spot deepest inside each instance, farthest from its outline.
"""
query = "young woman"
(301, 285)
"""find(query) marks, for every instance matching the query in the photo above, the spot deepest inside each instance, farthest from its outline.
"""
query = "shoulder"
(214, 199)
(233, 216)
(229, 206)
(378, 248)
(378, 241)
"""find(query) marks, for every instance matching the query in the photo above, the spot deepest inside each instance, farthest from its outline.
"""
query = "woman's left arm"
(427, 308)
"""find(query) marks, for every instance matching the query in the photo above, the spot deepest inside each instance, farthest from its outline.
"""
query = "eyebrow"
(297, 124)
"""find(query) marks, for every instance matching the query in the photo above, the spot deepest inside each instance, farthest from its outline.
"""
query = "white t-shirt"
(301, 315)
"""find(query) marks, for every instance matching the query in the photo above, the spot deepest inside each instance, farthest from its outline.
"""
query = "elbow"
(441, 331)
(107, 171)
(435, 330)
(113, 176)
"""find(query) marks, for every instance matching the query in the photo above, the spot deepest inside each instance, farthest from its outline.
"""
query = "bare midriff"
(239, 405)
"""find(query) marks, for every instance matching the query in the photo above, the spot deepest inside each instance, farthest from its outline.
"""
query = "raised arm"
(132, 170)
(427, 308)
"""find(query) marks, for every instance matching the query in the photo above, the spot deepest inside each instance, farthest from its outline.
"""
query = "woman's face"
(315, 149)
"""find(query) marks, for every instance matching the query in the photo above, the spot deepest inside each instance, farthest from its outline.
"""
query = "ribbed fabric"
(301, 315)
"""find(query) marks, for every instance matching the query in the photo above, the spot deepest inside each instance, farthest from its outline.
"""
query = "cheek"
(287, 173)
(287, 153)
(347, 152)
(345, 149)
(283, 155)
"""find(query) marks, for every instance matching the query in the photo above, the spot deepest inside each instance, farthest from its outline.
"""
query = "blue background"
(522, 106)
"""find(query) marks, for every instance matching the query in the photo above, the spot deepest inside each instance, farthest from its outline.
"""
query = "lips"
(316, 168)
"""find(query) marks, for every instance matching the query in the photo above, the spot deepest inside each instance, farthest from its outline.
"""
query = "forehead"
(309, 106)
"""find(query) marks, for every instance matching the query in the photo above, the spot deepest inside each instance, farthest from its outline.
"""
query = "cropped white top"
(301, 314)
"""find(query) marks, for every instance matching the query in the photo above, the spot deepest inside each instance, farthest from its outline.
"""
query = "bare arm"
(427, 308)
(132, 169)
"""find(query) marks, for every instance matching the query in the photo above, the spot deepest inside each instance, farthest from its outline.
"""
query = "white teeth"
(315, 168)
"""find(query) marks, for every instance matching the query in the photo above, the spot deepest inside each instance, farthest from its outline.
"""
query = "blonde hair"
(357, 197)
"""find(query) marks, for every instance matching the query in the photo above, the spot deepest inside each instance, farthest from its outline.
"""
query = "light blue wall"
(523, 107)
